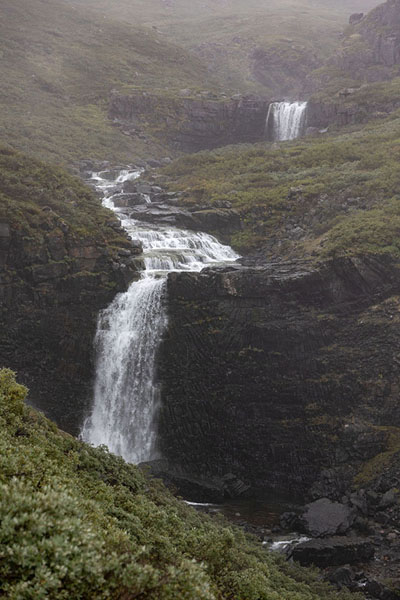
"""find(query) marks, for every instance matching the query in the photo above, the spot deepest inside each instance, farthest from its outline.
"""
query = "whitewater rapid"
(129, 332)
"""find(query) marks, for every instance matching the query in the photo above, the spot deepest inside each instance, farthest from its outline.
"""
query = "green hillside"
(76, 522)
(56, 75)
(312, 198)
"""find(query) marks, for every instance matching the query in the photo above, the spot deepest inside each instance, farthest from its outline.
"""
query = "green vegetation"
(36, 198)
(296, 35)
(77, 522)
(57, 73)
(317, 197)
(375, 467)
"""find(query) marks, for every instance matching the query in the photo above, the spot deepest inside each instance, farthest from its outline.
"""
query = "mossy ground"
(35, 198)
(340, 193)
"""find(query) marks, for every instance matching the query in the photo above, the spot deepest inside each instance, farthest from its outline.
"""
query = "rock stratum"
(62, 259)
(191, 123)
(284, 376)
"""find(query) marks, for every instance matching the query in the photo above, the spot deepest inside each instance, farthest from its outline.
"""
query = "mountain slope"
(339, 196)
(59, 65)
(261, 46)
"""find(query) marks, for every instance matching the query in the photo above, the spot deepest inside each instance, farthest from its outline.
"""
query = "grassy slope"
(27, 186)
(343, 192)
(58, 67)
(293, 31)
(76, 522)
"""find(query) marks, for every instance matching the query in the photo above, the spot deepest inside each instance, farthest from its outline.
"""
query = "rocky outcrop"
(333, 551)
(324, 517)
(353, 86)
(62, 259)
(342, 110)
(279, 374)
(191, 123)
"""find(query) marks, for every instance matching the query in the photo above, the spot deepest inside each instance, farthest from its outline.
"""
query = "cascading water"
(286, 120)
(126, 395)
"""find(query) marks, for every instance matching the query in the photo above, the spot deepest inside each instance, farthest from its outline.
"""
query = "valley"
(199, 285)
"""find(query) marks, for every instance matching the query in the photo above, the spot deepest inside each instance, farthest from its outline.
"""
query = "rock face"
(192, 124)
(275, 374)
(368, 54)
(342, 113)
(333, 551)
(54, 278)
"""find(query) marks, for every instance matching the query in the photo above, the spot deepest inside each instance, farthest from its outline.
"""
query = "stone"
(333, 551)
(389, 498)
(326, 518)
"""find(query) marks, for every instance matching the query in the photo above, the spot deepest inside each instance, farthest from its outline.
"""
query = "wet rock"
(126, 200)
(333, 551)
(326, 518)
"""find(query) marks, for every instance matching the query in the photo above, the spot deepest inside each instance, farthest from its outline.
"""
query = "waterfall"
(129, 331)
(286, 120)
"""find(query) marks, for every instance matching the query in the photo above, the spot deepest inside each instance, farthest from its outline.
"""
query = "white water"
(286, 120)
(126, 395)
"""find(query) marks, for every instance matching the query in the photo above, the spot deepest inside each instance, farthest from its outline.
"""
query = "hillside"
(256, 46)
(339, 196)
(57, 74)
(77, 522)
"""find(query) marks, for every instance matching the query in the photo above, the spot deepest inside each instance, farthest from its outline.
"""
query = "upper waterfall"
(286, 120)
(126, 394)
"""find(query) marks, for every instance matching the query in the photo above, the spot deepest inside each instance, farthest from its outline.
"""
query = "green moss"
(377, 465)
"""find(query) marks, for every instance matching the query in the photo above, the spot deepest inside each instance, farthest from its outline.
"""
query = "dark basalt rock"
(221, 221)
(52, 285)
(192, 124)
(333, 551)
(282, 373)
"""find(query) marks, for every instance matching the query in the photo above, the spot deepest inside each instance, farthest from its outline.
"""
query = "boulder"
(325, 518)
(333, 551)
(126, 200)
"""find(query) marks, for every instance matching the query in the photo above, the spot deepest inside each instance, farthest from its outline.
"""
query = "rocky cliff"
(277, 374)
(62, 258)
(354, 87)
(192, 123)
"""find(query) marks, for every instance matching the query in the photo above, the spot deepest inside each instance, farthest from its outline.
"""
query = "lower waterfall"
(126, 394)
(286, 120)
